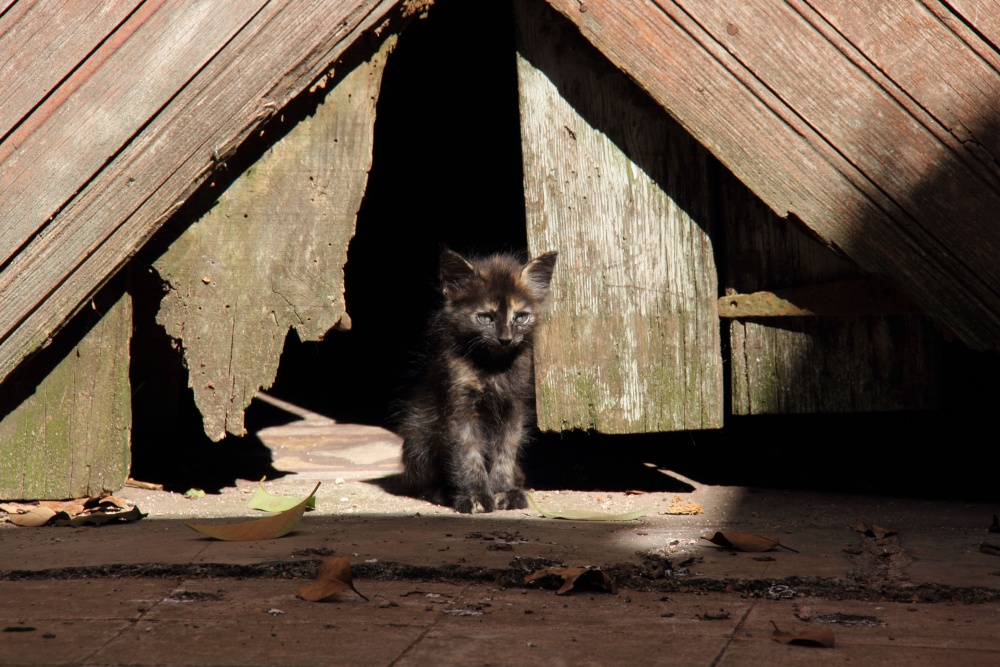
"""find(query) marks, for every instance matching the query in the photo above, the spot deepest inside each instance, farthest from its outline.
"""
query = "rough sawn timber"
(858, 138)
(269, 256)
(631, 341)
(108, 155)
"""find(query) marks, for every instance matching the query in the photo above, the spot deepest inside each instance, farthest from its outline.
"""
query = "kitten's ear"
(456, 272)
(538, 272)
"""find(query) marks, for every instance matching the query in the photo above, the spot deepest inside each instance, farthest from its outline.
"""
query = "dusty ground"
(449, 589)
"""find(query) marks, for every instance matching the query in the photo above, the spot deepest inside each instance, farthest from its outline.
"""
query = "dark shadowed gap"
(446, 171)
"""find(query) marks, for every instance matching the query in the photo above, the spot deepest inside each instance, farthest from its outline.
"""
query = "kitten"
(464, 425)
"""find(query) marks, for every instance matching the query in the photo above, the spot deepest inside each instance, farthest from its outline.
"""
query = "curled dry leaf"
(33, 517)
(575, 577)
(746, 542)
(268, 502)
(98, 518)
(268, 528)
(814, 638)
(586, 515)
(333, 576)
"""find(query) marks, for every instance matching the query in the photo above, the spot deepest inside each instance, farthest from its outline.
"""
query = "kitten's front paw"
(474, 503)
(514, 499)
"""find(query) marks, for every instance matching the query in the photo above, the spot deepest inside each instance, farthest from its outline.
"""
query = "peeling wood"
(632, 338)
(269, 256)
(75, 220)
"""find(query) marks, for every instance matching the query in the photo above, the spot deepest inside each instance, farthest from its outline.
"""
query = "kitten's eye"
(484, 318)
(522, 318)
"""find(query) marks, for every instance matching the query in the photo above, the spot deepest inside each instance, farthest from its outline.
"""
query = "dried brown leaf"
(984, 547)
(571, 577)
(33, 517)
(16, 508)
(268, 528)
(333, 576)
(70, 507)
(746, 542)
(98, 518)
(822, 638)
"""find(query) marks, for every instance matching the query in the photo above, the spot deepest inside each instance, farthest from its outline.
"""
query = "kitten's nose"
(504, 341)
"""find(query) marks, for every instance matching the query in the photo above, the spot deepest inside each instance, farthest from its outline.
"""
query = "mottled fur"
(464, 424)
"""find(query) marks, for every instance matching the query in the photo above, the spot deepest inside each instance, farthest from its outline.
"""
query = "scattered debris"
(19, 628)
(586, 515)
(813, 638)
(267, 528)
(720, 615)
(681, 507)
(746, 542)
(194, 494)
(849, 620)
(149, 486)
(780, 592)
(574, 578)
(333, 576)
(635, 492)
(873, 530)
(461, 612)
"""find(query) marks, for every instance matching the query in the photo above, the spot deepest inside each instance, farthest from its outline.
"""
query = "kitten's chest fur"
(464, 424)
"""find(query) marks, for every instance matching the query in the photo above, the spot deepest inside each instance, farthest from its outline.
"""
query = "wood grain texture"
(42, 43)
(789, 365)
(69, 437)
(242, 76)
(786, 103)
(269, 256)
(632, 338)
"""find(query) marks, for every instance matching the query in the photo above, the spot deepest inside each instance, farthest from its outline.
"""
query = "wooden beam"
(622, 192)
(785, 102)
(269, 256)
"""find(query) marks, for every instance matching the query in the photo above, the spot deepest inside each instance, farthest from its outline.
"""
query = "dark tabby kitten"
(464, 425)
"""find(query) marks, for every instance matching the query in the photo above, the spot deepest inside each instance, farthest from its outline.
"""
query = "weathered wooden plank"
(900, 43)
(68, 437)
(41, 43)
(982, 14)
(631, 343)
(705, 65)
(108, 106)
(284, 49)
(269, 256)
(815, 364)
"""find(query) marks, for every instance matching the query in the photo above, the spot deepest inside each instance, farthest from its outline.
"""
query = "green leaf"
(586, 515)
(192, 494)
(268, 528)
(268, 502)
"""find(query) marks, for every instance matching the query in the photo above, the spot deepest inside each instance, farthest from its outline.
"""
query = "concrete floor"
(447, 589)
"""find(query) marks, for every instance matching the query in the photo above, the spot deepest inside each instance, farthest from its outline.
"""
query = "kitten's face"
(493, 303)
